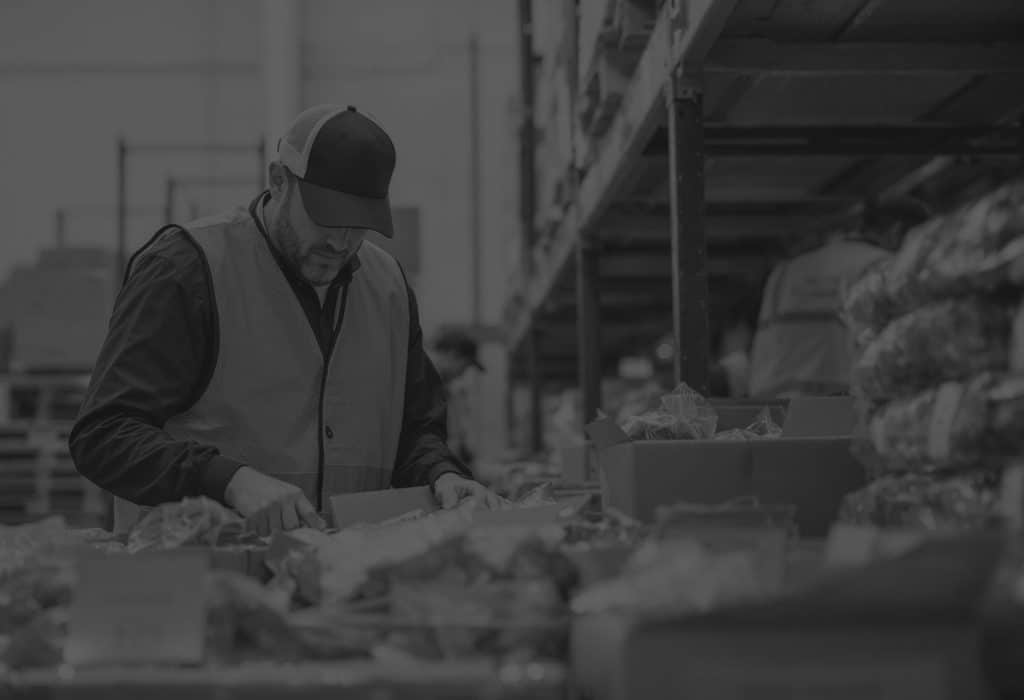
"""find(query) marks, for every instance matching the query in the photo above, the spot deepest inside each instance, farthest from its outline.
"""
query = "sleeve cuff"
(216, 475)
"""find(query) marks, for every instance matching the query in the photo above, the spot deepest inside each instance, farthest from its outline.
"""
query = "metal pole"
(588, 328)
(60, 228)
(169, 191)
(536, 392)
(588, 300)
(528, 210)
(528, 145)
(689, 243)
(474, 173)
(122, 213)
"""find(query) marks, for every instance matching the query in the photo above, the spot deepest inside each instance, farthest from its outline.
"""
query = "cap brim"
(333, 209)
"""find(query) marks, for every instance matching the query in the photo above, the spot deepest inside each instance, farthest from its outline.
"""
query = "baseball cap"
(459, 343)
(344, 162)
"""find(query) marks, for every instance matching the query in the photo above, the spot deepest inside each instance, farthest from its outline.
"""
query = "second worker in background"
(269, 357)
(803, 346)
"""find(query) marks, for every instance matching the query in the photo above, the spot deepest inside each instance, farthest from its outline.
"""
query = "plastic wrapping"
(960, 502)
(763, 427)
(682, 415)
(958, 425)
(977, 250)
(947, 341)
(198, 521)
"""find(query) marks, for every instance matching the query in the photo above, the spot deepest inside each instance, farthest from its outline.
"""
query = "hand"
(270, 504)
(451, 489)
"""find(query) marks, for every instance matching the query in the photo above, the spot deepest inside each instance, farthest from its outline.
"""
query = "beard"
(317, 265)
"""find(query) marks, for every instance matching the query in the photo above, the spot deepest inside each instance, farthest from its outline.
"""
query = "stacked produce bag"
(940, 374)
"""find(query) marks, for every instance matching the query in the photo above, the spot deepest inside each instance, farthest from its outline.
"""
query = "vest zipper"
(320, 404)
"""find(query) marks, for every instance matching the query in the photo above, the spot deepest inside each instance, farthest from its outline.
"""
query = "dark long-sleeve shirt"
(160, 353)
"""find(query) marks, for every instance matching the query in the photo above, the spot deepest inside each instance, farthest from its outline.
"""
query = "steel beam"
(764, 57)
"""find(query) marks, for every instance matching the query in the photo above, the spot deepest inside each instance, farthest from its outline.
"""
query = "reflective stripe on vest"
(271, 402)
(802, 345)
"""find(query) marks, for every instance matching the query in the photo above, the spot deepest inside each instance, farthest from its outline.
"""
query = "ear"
(278, 180)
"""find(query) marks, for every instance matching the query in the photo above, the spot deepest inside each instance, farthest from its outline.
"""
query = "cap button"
(351, 108)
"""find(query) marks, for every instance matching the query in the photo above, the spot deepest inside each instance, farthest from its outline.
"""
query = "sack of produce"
(946, 341)
(919, 501)
(978, 249)
(970, 424)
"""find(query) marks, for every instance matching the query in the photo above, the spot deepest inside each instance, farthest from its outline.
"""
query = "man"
(802, 346)
(455, 354)
(269, 357)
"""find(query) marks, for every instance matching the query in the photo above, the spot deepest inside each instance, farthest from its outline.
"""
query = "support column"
(536, 392)
(589, 328)
(282, 67)
(527, 213)
(689, 244)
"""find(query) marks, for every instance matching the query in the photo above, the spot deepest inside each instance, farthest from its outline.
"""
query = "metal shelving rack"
(743, 126)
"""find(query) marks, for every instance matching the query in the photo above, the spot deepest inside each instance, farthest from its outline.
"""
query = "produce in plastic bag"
(958, 425)
(683, 415)
(919, 501)
(21, 545)
(867, 306)
(192, 521)
(977, 250)
(947, 341)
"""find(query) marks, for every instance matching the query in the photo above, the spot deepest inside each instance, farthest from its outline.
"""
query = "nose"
(344, 239)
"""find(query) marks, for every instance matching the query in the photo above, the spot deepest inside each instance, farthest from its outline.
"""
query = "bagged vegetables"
(192, 521)
(976, 250)
(957, 425)
(949, 340)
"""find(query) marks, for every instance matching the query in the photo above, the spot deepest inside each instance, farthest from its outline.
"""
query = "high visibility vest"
(273, 402)
(802, 345)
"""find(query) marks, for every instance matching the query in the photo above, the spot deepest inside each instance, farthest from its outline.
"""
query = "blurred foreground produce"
(916, 501)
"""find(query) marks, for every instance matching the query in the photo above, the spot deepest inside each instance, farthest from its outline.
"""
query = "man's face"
(315, 253)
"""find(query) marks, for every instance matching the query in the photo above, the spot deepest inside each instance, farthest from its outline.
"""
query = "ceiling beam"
(764, 57)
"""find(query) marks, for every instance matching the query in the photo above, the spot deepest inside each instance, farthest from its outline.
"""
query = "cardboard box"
(242, 560)
(810, 466)
(578, 466)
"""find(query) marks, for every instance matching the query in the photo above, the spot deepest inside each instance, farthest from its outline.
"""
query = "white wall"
(75, 75)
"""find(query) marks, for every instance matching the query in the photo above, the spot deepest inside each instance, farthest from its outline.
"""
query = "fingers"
(308, 515)
(275, 516)
(448, 496)
(290, 518)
